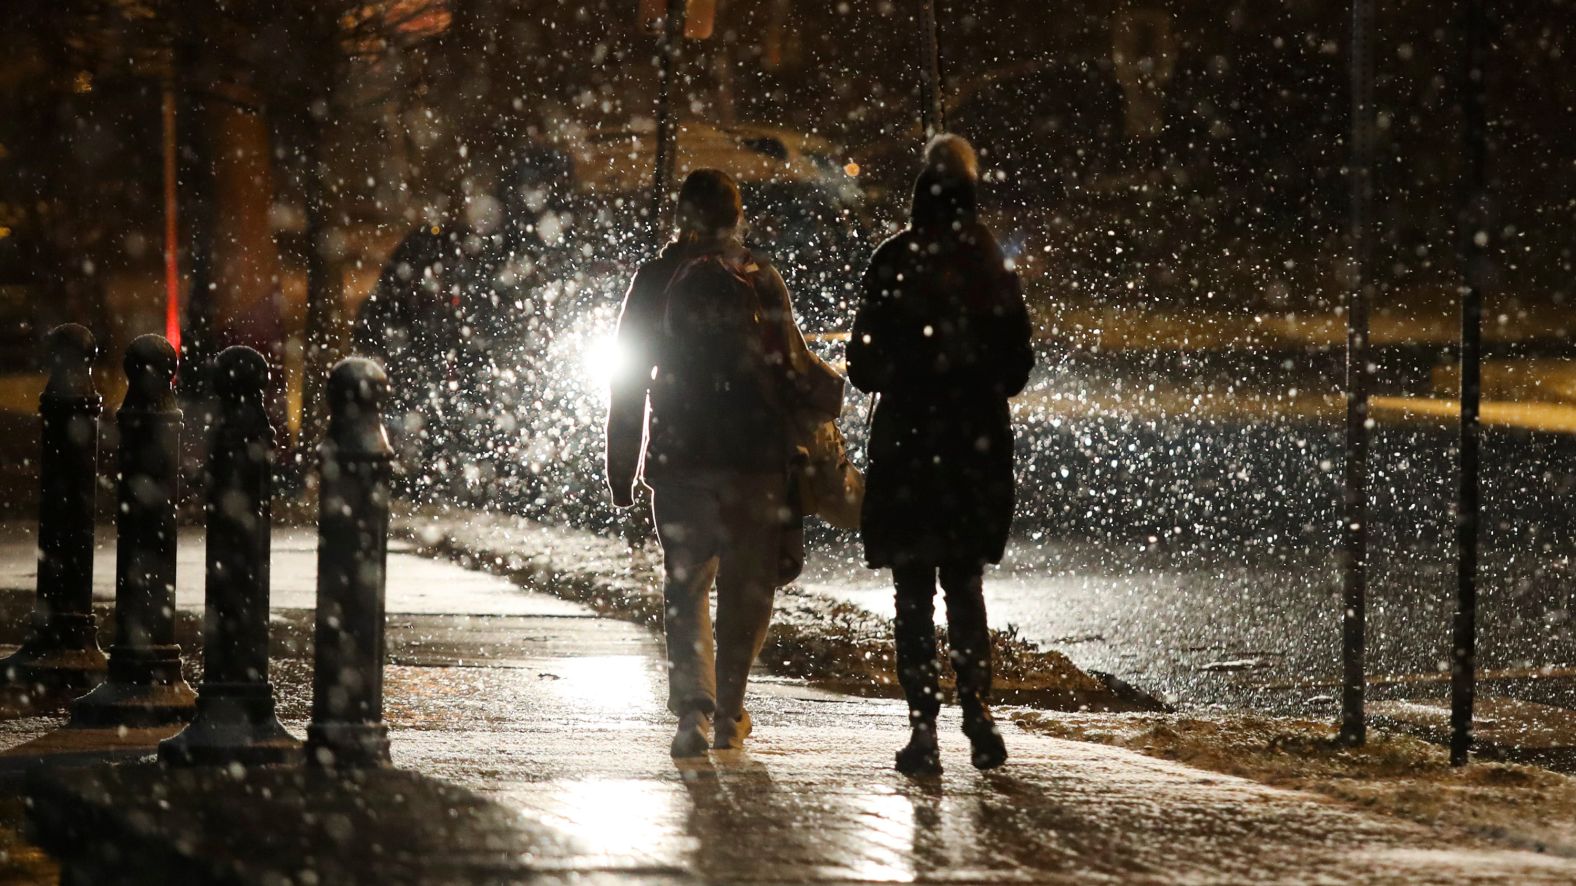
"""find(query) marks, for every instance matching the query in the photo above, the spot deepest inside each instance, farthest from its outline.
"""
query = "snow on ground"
(1393, 774)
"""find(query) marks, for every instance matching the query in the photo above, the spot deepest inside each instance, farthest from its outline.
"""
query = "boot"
(690, 739)
(922, 755)
(989, 751)
(732, 731)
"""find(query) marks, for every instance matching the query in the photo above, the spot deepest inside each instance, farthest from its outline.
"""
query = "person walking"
(941, 333)
(711, 385)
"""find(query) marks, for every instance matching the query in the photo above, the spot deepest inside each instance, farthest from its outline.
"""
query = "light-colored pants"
(722, 528)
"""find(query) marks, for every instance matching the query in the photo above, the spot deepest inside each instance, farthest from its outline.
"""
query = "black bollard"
(352, 548)
(61, 653)
(145, 687)
(235, 721)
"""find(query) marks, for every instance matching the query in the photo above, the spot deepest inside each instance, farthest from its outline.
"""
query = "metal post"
(668, 51)
(61, 652)
(352, 548)
(932, 114)
(145, 687)
(235, 719)
(1474, 239)
(1354, 520)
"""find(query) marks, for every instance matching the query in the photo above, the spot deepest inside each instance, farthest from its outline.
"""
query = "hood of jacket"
(944, 192)
(729, 247)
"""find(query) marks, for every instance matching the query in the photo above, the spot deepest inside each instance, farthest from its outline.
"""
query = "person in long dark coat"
(942, 335)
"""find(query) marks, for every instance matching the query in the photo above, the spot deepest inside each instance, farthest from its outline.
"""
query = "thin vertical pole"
(932, 115)
(667, 64)
(194, 176)
(1354, 523)
(172, 241)
(1473, 236)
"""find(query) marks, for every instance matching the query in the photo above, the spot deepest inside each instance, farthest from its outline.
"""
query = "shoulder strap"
(679, 263)
(777, 334)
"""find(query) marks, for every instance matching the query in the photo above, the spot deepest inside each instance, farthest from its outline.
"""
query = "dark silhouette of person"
(942, 335)
(459, 321)
(410, 325)
(701, 412)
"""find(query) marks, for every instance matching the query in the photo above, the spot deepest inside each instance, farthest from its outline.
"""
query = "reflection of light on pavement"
(618, 819)
(612, 683)
(883, 845)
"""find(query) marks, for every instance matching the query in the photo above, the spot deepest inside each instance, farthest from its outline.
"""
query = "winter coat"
(942, 334)
(653, 435)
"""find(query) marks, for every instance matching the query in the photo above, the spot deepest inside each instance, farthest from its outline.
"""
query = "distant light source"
(851, 168)
(601, 360)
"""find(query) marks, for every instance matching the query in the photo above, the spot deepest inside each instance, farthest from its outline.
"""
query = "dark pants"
(917, 667)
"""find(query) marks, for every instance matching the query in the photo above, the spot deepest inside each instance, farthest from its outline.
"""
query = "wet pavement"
(557, 714)
(563, 719)
(581, 748)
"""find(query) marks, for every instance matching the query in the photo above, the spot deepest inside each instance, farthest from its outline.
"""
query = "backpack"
(715, 339)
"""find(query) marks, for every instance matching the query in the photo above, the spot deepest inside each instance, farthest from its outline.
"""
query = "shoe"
(690, 739)
(922, 755)
(731, 732)
(989, 751)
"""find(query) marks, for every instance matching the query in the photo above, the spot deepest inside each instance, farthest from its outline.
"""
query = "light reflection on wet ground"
(573, 733)
(1201, 629)
(1177, 516)
(1155, 625)
(559, 715)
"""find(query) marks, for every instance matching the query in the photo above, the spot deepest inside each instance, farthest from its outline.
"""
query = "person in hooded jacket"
(713, 450)
(941, 334)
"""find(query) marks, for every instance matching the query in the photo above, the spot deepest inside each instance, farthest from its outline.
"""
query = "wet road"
(1177, 527)
(1263, 634)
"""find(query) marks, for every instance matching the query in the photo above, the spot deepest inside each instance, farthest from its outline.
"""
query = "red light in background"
(172, 278)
